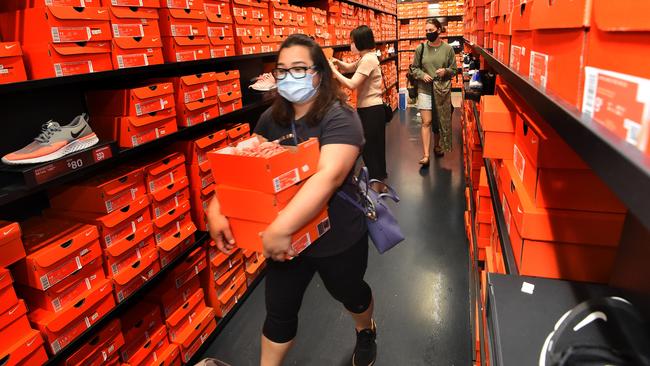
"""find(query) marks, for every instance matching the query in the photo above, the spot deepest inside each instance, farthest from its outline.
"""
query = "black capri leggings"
(374, 130)
(286, 283)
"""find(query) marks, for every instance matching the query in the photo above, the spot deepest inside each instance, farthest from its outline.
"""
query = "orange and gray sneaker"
(55, 141)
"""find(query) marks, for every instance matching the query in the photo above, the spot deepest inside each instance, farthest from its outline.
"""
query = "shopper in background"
(367, 80)
(434, 73)
(309, 96)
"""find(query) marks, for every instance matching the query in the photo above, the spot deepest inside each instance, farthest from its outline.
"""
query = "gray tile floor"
(420, 287)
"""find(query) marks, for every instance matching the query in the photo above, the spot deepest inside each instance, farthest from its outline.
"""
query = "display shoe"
(264, 82)
(211, 362)
(365, 352)
(55, 141)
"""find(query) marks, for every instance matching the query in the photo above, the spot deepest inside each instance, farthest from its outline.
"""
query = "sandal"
(424, 161)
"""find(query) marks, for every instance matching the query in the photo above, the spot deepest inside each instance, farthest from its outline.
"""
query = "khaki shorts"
(424, 101)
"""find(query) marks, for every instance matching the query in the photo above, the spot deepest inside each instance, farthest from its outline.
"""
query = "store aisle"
(420, 288)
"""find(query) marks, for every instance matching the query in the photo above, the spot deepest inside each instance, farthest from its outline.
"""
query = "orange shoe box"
(168, 199)
(193, 113)
(11, 5)
(189, 268)
(200, 179)
(67, 292)
(196, 151)
(14, 323)
(8, 296)
(12, 68)
(218, 11)
(222, 263)
(193, 88)
(248, 45)
(137, 354)
(137, 52)
(171, 297)
(177, 209)
(280, 12)
(156, 354)
(219, 30)
(161, 172)
(230, 102)
(170, 356)
(140, 322)
(55, 250)
(543, 162)
(11, 246)
(270, 175)
(184, 317)
(135, 131)
(223, 284)
(167, 256)
(247, 236)
(580, 227)
(131, 102)
(104, 193)
(522, 39)
(182, 4)
(173, 238)
(113, 227)
(183, 23)
(254, 266)
(200, 201)
(135, 276)
(238, 133)
(120, 257)
(50, 60)
(128, 21)
(191, 339)
(104, 345)
(222, 47)
(61, 328)
(181, 49)
(228, 82)
(253, 205)
(229, 297)
(498, 124)
(26, 351)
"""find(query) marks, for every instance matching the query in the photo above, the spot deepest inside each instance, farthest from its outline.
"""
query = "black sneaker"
(365, 351)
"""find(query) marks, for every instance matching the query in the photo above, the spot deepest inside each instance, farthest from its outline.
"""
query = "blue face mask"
(297, 90)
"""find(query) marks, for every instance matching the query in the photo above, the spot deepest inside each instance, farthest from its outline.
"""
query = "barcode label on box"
(56, 304)
(185, 56)
(56, 346)
(194, 95)
(73, 68)
(126, 2)
(183, 30)
(45, 282)
(519, 162)
(71, 34)
(538, 72)
(324, 226)
(149, 106)
(286, 180)
(76, 3)
(178, 4)
(128, 30)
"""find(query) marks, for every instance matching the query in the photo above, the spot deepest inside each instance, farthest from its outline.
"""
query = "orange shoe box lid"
(219, 30)
(137, 355)
(198, 112)
(99, 348)
(67, 292)
(580, 227)
(271, 175)
(167, 257)
(129, 22)
(239, 133)
(271, 43)
(135, 131)
(60, 329)
(222, 47)
(141, 271)
(181, 49)
(62, 24)
(218, 11)
(248, 45)
(11, 63)
(115, 226)
(8, 296)
(48, 60)
(189, 268)
(155, 358)
(163, 210)
(12, 323)
(27, 350)
(246, 233)
(11, 246)
(498, 124)
(561, 14)
(131, 102)
(141, 321)
(121, 256)
(196, 151)
(182, 4)
(170, 236)
(56, 249)
(189, 334)
(103, 193)
(169, 357)
(253, 205)
(183, 23)
(253, 263)
(188, 352)
(224, 283)
(230, 102)
(230, 297)
(176, 210)
(223, 263)
(171, 297)
(162, 172)
(228, 82)
(137, 52)
(185, 316)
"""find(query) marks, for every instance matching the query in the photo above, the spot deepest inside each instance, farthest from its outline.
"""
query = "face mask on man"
(432, 36)
(297, 90)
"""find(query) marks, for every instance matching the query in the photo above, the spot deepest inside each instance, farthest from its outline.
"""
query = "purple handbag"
(383, 227)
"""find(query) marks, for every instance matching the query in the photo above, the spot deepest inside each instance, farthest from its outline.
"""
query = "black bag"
(410, 76)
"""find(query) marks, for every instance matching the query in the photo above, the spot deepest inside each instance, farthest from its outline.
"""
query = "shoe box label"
(128, 30)
(619, 102)
(73, 68)
(71, 34)
(206, 180)
(121, 200)
(538, 68)
(149, 106)
(185, 56)
(199, 118)
(516, 53)
(126, 2)
(61, 272)
(183, 30)
(168, 205)
(194, 95)
(144, 137)
(76, 3)
(170, 230)
(121, 231)
(178, 4)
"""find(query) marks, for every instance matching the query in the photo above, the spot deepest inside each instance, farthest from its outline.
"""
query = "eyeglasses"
(297, 72)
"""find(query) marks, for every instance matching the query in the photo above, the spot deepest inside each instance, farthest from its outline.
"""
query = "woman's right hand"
(219, 228)
(427, 78)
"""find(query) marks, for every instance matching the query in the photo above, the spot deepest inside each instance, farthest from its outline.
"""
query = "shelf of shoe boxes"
(389, 7)
(421, 9)
(100, 241)
(563, 221)
(70, 37)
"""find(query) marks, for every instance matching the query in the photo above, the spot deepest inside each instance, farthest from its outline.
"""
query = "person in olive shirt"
(434, 75)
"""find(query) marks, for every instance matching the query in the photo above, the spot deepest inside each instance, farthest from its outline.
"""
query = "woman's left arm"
(334, 164)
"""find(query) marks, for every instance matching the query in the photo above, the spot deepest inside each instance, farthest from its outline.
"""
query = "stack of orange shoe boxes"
(220, 28)
(170, 209)
(282, 18)
(62, 280)
(254, 263)
(102, 349)
(60, 40)
(136, 34)
(196, 98)
(229, 91)
(238, 133)
(145, 337)
(133, 116)
(11, 63)
(317, 25)
(252, 21)
(225, 280)
(184, 30)
(199, 172)
(252, 204)
(22, 344)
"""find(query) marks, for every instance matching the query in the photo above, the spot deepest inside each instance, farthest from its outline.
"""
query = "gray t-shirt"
(341, 125)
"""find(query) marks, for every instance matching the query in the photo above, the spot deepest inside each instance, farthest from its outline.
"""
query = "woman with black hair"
(367, 80)
(310, 104)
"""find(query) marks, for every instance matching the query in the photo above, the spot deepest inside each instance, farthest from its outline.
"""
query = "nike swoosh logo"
(10, 46)
(101, 11)
(78, 133)
(8, 231)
